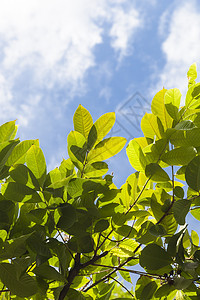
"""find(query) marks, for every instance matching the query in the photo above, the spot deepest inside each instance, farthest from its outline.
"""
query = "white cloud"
(47, 44)
(123, 28)
(181, 46)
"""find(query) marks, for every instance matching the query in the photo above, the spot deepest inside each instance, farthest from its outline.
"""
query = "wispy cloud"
(180, 46)
(50, 44)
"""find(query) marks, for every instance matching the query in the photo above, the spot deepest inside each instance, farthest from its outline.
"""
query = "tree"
(72, 234)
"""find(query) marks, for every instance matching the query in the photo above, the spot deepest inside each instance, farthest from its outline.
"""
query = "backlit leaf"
(172, 100)
(82, 121)
(136, 156)
(100, 129)
(36, 163)
(106, 149)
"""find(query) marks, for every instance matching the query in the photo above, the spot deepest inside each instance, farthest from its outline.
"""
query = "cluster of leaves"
(72, 234)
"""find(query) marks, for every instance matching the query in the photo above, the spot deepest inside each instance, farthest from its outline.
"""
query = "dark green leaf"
(101, 225)
(192, 174)
(156, 173)
(154, 257)
(68, 216)
(24, 286)
(181, 209)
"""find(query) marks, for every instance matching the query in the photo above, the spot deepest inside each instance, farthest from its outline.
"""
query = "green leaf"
(181, 283)
(22, 174)
(151, 126)
(96, 169)
(154, 257)
(79, 186)
(192, 74)
(192, 96)
(36, 163)
(157, 230)
(140, 285)
(179, 192)
(18, 192)
(172, 100)
(37, 215)
(192, 174)
(195, 238)
(149, 290)
(15, 248)
(196, 213)
(18, 154)
(189, 137)
(106, 149)
(23, 286)
(181, 209)
(6, 131)
(48, 272)
(136, 156)
(158, 109)
(179, 156)
(164, 290)
(156, 173)
(101, 225)
(85, 243)
(77, 148)
(185, 125)
(68, 216)
(6, 149)
(100, 129)
(82, 121)
(173, 244)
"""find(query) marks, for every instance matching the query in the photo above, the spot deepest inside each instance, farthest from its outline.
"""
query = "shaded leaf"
(156, 173)
(25, 286)
(181, 209)
(192, 174)
(154, 257)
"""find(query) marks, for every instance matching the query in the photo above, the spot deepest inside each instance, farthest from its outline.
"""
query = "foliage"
(72, 234)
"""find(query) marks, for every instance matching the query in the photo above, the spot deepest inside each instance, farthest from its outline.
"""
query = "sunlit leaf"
(82, 121)
(151, 126)
(36, 163)
(100, 129)
(158, 109)
(136, 156)
(172, 100)
(106, 149)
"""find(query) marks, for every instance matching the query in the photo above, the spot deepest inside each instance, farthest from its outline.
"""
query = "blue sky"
(108, 55)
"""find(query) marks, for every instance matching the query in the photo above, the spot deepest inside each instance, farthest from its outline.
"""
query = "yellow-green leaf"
(100, 129)
(106, 149)
(151, 126)
(172, 101)
(82, 121)
(136, 156)
(158, 109)
(36, 163)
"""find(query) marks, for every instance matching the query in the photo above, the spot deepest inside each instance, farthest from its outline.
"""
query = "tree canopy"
(72, 234)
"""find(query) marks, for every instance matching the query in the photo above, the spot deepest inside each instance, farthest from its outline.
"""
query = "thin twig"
(122, 285)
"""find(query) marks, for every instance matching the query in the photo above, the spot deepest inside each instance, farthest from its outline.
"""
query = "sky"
(108, 55)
